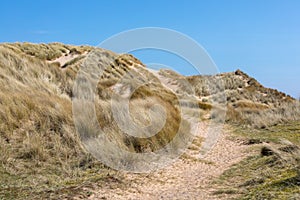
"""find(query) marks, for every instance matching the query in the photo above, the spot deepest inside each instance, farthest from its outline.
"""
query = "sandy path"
(187, 178)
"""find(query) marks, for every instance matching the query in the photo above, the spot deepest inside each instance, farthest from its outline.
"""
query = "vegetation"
(273, 172)
(40, 152)
(237, 87)
(41, 155)
(259, 116)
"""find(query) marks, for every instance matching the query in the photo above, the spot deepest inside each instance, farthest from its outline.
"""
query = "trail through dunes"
(187, 178)
(42, 152)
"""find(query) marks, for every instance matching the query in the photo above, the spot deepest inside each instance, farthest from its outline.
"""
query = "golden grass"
(141, 100)
(46, 51)
(40, 153)
(39, 146)
(237, 87)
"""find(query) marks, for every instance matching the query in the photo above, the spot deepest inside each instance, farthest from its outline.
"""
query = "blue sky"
(260, 37)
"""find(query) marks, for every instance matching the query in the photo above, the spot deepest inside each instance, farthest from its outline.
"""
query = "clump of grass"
(149, 93)
(205, 106)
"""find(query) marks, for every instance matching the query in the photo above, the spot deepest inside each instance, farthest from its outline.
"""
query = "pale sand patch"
(66, 58)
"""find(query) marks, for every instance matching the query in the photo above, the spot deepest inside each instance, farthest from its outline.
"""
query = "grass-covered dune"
(41, 154)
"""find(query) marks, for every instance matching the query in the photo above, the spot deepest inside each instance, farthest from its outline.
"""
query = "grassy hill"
(41, 155)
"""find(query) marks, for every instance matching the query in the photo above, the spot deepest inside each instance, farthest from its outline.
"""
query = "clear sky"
(261, 37)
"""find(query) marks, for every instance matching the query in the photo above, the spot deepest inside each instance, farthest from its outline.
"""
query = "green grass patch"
(274, 176)
(276, 134)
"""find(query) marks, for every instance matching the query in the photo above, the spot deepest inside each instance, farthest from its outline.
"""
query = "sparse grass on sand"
(273, 172)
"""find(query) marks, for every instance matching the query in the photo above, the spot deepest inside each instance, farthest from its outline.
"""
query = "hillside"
(42, 156)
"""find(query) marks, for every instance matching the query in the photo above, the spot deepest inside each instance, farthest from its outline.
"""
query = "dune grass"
(41, 155)
(47, 52)
(259, 116)
(272, 175)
